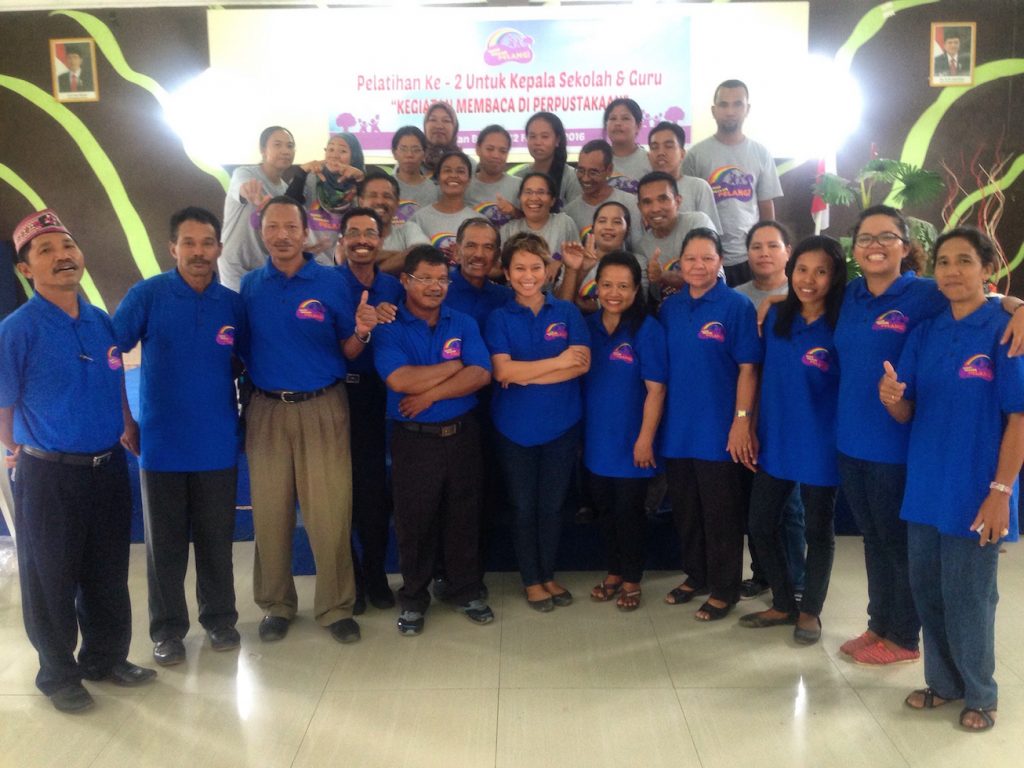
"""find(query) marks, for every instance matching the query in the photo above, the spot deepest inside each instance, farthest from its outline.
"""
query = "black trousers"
(74, 529)
(619, 502)
(177, 506)
(767, 504)
(367, 401)
(709, 510)
(438, 490)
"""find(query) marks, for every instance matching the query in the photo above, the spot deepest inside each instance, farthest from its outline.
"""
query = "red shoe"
(879, 654)
(850, 647)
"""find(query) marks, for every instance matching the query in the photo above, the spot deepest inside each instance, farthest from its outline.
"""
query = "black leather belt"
(295, 397)
(74, 459)
(449, 429)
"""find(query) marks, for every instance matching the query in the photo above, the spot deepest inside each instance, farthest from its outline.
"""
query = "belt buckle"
(352, 378)
(449, 429)
(100, 460)
(287, 397)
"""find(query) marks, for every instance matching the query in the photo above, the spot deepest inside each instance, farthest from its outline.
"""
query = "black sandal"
(680, 596)
(928, 696)
(986, 716)
(713, 611)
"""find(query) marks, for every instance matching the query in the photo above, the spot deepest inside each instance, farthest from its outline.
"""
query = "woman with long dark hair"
(609, 232)
(546, 143)
(624, 395)
(797, 434)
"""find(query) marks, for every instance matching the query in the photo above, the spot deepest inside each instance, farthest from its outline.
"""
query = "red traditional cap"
(35, 224)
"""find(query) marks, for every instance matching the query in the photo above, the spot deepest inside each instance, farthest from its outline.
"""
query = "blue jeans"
(954, 584)
(794, 536)
(874, 491)
(538, 480)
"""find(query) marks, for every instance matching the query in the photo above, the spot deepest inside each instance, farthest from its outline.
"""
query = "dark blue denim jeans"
(538, 480)
(954, 585)
(874, 491)
(768, 503)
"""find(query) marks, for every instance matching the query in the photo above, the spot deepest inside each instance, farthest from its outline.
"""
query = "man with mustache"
(361, 231)
(63, 415)
(302, 328)
(188, 324)
(433, 360)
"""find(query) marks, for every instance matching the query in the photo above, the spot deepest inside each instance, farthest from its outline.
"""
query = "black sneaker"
(410, 623)
(440, 588)
(476, 611)
(345, 631)
(751, 588)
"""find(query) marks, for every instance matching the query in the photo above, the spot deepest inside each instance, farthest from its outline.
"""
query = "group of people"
(533, 347)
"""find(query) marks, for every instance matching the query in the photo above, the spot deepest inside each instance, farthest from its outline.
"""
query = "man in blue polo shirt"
(62, 414)
(188, 417)
(302, 326)
(477, 247)
(433, 360)
(357, 251)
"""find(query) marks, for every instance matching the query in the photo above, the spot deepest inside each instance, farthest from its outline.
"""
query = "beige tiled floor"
(583, 686)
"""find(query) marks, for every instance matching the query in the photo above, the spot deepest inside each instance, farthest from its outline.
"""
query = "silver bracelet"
(994, 486)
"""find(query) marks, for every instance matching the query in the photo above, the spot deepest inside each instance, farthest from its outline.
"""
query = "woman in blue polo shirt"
(964, 399)
(624, 395)
(713, 355)
(539, 349)
(797, 434)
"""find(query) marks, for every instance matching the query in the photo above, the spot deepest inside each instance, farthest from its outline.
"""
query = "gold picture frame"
(952, 46)
(70, 85)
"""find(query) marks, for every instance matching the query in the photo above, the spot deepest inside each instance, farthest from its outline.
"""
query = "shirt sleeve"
(578, 332)
(906, 367)
(653, 352)
(474, 351)
(130, 318)
(690, 165)
(496, 335)
(388, 354)
(13, 349)
(704, 201)
(747, 346)
(345, 313)
(1009, 380)
(242, 174)
(768, 186)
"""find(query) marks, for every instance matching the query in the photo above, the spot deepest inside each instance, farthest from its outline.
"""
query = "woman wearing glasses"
(417, 190)
(879, 310)
(540, 347)
(537, 194)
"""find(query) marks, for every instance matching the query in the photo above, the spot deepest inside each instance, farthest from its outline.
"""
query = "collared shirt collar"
(408, 317)
(716, 292)
(517, 307)
(55, 314)
(899, 286)
(181, 288)
(305, 271)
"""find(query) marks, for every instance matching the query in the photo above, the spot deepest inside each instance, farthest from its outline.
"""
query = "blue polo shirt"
(385, 288)
(410, 341)
(962, 384)
(708, 339)
(873, 329)
(296, 326)
(796, 422)
(476, 302)
(62, 376)
(188, 414)
(534, 414)
(614, 393)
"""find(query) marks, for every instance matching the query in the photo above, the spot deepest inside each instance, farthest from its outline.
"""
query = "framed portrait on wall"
(953, 45)
(73, 63)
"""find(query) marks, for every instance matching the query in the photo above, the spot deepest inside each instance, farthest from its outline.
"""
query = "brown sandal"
(605, 591)
(629, 600)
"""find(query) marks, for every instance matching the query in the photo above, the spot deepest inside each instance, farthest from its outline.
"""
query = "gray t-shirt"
(630, 169)
(671, 245)
(483, 196)
(582, 213)
(412, 197)
(403, 236)
(441, 228)
(558, 229)
(697, 196)
(243, 247)
(740, 176)
(756, 295)
(570, 189)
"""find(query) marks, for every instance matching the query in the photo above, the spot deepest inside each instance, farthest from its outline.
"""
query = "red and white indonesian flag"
(819, 208)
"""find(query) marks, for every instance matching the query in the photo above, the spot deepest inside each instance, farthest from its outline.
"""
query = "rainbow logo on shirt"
(893, 320)
(731, 183)
(625, 183)
(490, 211)
(405, 210)
(623, 353)
(586, 231)
(508, 46)
(226, 336)
(311, 309)
(978, 367)
(114, 358)
(445, 242)
(713, 330)
(452, 349)
(816, 357)
(556, 331)
(589, 289)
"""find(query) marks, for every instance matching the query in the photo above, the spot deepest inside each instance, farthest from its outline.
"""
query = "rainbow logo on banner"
(508, 46)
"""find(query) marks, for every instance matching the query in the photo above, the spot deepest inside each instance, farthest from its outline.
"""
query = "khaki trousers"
(302, 450)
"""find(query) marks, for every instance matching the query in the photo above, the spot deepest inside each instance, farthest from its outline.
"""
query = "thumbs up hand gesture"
(890, 388)
(366, 316)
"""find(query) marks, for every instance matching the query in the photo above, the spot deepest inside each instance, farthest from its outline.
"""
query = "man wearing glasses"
(356, 252)
(433, 360)
(593, 170)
